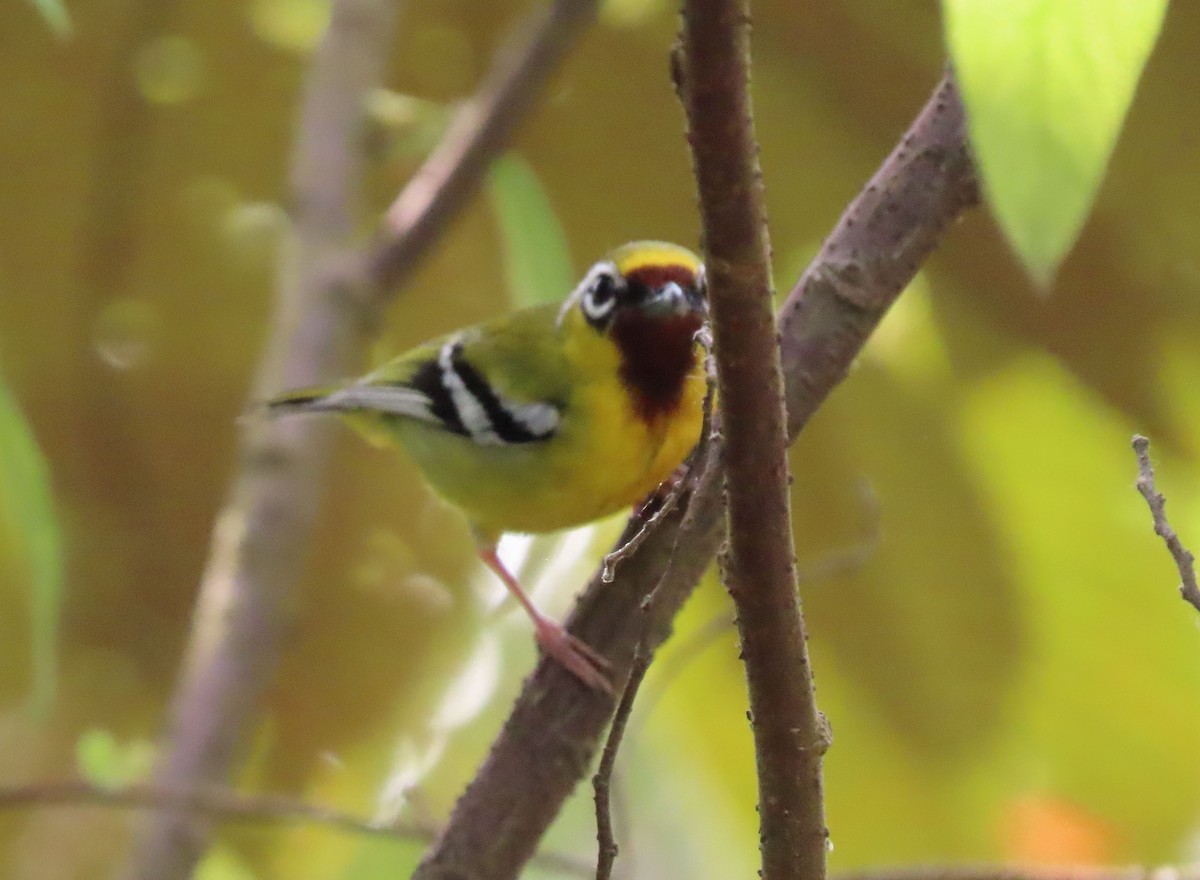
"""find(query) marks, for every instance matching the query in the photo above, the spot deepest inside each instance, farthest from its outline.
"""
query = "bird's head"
(649, 299)
(649, 282)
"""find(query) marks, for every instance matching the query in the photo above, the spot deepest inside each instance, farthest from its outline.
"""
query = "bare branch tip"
(1189, 589)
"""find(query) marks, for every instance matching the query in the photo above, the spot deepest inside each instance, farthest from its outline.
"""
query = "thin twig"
(602, 780)
(1184, 560)
(605, 778)
(790, 734)
(608, 568)
(554, 728)
(226, 805)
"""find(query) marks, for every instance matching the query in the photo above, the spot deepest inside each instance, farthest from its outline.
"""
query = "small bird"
(551, 416)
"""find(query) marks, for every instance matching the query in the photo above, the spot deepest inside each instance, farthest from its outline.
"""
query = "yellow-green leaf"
(27, 513)
(1047, 84)
(223, 863)
(55, 15)
(104, 761)
(536, 260)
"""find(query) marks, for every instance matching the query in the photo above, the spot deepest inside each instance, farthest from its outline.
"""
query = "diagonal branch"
(549, 739)
(331, 292)
(790, 735)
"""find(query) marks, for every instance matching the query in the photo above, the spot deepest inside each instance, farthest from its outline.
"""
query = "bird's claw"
(578, 657)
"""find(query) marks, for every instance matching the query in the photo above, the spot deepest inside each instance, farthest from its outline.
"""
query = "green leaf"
(27, 512)
(55, 15)
(223, 863)
(1046, 85)
(105, 762)
(97, 760)
(537, 262)
(406, 127)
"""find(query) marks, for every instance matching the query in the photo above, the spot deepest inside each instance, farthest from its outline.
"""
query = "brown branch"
(480, 130)
(547, 743)
(790, 734)
(331, 293)
(221, 804)
(1184, 560)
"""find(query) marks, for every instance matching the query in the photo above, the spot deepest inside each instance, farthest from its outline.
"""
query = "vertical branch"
(258, 543)
(602, 781)
(790, 735)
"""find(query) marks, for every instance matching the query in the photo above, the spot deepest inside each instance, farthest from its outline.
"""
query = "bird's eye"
(603, 289)
(600, 296)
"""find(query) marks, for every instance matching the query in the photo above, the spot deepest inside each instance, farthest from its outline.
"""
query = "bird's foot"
(580, 659)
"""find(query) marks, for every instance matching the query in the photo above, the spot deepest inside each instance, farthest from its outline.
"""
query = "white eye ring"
(600, 297)
(596, 293)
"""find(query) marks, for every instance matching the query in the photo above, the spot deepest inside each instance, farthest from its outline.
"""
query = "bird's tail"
(372, 410)
(309, 400)
(382, 400)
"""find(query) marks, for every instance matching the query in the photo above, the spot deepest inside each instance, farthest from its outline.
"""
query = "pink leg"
(579, 658)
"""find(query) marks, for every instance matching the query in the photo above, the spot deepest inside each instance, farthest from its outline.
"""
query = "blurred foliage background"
(1007, 670)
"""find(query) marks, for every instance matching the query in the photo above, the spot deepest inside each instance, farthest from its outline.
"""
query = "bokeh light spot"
(292, 25)
(254, 231)
(631, 13)
(472, 688)
(402, 126)
(206, 201)
(169, 70)
(908, 342)
(125, 333)
(1044, 829)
